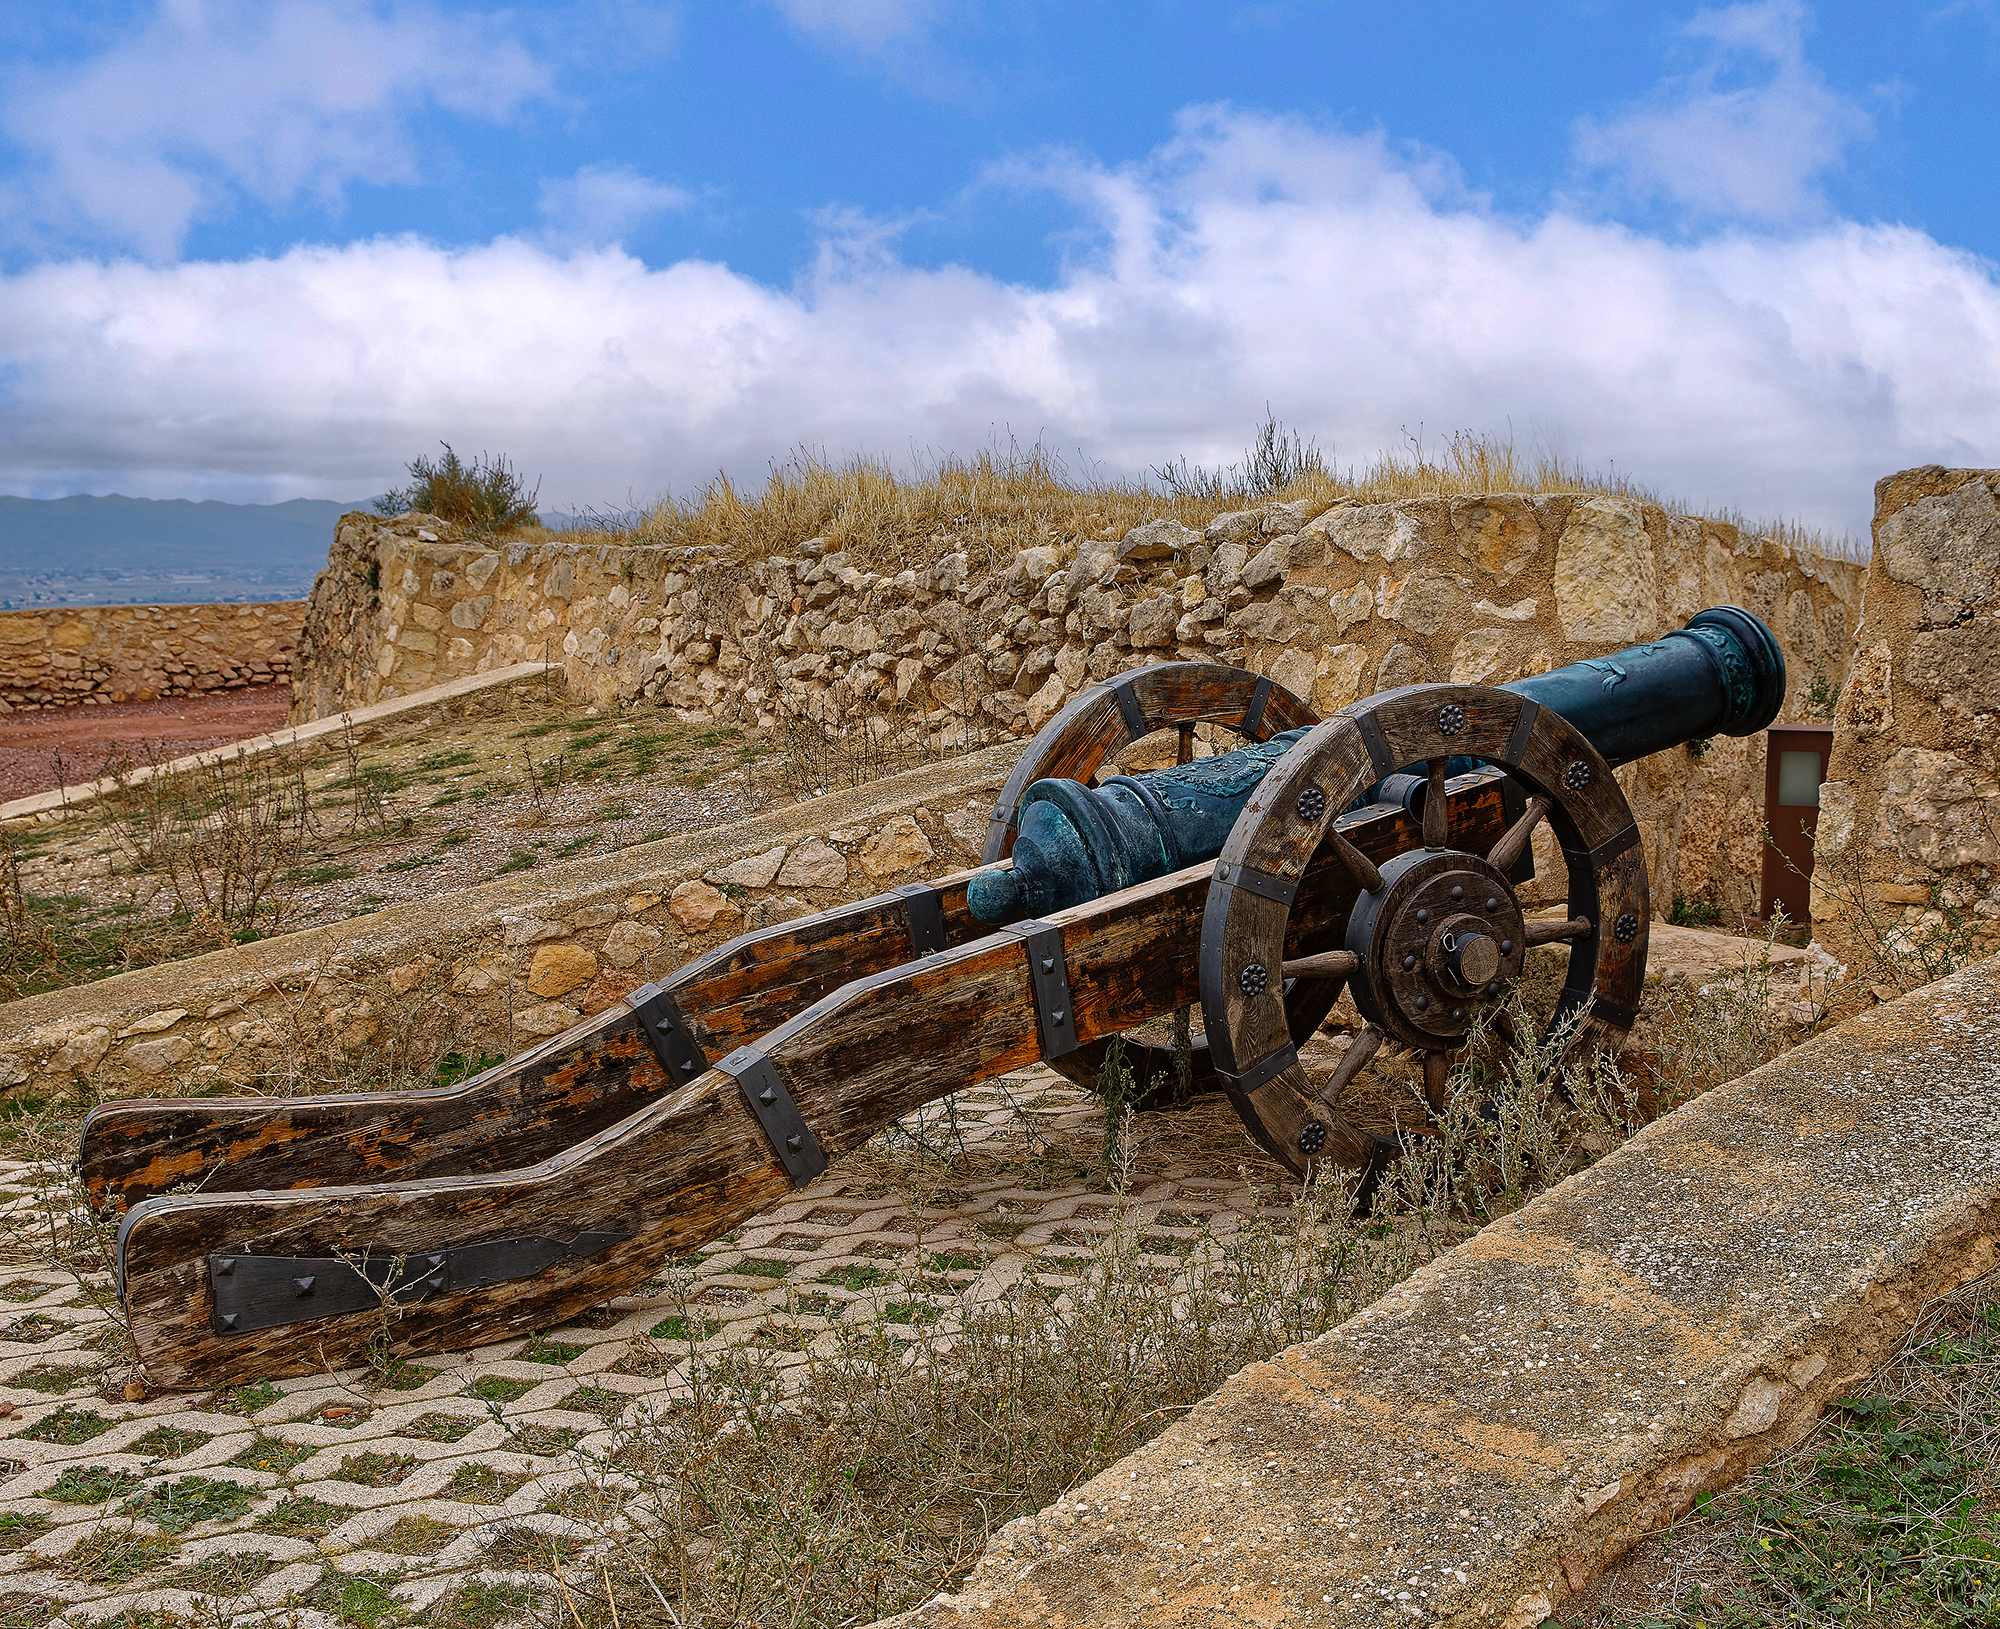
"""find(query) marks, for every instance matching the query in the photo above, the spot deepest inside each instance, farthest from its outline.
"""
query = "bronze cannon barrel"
(1722, 674)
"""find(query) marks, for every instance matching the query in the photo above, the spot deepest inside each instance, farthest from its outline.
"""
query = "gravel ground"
(67, 746)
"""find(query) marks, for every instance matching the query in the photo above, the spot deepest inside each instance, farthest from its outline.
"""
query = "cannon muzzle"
(1722, 674)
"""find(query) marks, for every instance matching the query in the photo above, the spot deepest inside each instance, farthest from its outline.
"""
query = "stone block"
(753, 871)
(896, 847)
(1605, 582)
(630, 943)
(157, 1057)
(698, 907)
(813, 864)
(558, 969)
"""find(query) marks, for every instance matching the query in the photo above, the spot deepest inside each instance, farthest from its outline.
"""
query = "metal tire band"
(1259, 1073)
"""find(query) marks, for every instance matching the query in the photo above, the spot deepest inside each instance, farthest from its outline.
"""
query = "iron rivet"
(1313, 1138)
(1627, 928)
(228, 1265)
(1506, 947)
(1493, 904)
(1057, 1017)
(688, 1067)
(305, 1284)
(1253, 979)
(1457, 1013)
(791, 1145)
(1423, 916)
(1577, 776)
(1451, 718)
(229, 1320)
(1312, 803)
(1493, 988)
(1048, 964)
(1423, 1003)
(1408, 963)
(434, 1282)
(767, 1096)
(1457, 892)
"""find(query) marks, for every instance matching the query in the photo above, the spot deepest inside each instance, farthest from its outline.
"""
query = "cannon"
(1377, 851)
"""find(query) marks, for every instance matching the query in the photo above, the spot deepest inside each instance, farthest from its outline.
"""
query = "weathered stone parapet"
(501, 965)
(1910, 815)
(104, 653)
(1494, 1432)
(1334, 603)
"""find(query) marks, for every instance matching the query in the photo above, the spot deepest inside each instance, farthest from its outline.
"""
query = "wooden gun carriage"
(1377, 851)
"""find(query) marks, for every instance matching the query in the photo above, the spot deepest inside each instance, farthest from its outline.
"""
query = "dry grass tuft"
(996, 502)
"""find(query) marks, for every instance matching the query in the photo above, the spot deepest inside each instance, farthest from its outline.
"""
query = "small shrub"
(1694, 913)
(414, 1535)
(169, 1442)
(442, 1427)
(271, 1454)
(492, 1388)
(480, 1484)
(91, 1485)
(302, 1516)
(116, 1555)
(69, 1426)
(177, 1505)
(374, 1470)
(486, 495)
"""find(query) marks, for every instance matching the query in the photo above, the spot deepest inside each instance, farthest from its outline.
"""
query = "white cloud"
(867, 26)
(1251, 261)
(1747, 135)
(603, 203)
(211, 99)
(918, 44)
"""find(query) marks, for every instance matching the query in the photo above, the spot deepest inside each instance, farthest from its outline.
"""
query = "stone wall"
(1335, 603)
(105, 653)
(1910, 815)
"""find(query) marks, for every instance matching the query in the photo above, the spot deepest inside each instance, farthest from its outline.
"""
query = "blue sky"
(274, 250)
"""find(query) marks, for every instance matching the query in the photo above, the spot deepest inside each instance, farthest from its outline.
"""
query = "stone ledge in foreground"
(1498, 1429)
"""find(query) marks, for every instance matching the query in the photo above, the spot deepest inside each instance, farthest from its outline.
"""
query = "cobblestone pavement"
(303, 1500)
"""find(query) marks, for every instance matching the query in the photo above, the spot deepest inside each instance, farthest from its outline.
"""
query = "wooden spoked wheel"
(1090, 732)
(1436, 933)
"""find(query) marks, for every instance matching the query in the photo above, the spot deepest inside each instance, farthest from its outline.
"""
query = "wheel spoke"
(1514, 841)
(1437, 1071)
(1503, 1026)
(1437, 811)
(1548, 933)
(1363, 1047)
(1329, 964)
(1362, 869)
(1185, 751)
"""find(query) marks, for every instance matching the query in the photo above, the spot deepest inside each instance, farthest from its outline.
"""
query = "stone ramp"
(309, 737)
(1495, 1431)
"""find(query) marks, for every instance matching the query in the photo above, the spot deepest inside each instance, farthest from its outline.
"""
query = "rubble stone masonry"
(103, 653)
(1335, 603)
(1909, 820)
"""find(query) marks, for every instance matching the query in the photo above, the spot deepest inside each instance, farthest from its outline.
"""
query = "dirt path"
(65, 746)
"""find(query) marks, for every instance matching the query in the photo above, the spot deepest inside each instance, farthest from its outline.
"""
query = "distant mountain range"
(161, 551)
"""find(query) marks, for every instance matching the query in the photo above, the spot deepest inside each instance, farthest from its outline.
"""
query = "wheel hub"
(1442, 938)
